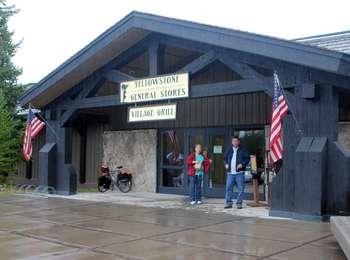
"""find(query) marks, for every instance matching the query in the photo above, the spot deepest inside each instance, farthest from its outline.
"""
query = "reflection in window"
(173, 144)
(173, 177)
(254, 142)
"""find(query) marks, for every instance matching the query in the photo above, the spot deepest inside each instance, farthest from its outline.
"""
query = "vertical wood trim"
(153, 58)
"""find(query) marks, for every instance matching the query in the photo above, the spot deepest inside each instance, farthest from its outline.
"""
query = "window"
(172, 154)
(254, 142)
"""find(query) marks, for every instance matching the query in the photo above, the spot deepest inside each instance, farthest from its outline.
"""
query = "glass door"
(171, 166)
(214, 184)
(194, 136)
(253, 140)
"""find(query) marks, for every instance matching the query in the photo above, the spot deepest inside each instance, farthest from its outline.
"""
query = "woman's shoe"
(199, 202)
(192, 202)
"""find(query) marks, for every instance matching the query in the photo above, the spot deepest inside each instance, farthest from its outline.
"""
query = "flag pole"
(47, 123)
(299, 130)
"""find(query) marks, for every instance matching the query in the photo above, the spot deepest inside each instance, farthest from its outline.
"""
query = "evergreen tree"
(11, 125)
(8, 140)
(8, 71)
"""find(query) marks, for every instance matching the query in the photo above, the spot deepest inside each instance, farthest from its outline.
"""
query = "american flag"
(33, 127)
(279, 110)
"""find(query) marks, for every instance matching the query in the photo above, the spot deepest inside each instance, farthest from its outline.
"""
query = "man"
(236, 159)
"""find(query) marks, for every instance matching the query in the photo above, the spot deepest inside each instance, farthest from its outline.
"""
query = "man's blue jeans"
(195, 187)
(231, 180)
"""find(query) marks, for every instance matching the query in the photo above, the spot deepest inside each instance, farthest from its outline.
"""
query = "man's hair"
(236, 137)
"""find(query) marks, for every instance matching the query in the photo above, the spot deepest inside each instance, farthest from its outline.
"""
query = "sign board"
(155, 88)
(151, 113)
(254, 167)
(217, 149)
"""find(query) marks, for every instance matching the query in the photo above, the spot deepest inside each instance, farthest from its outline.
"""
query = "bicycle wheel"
(124, 185)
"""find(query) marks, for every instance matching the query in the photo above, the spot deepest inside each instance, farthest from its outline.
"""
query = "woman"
(198, 164)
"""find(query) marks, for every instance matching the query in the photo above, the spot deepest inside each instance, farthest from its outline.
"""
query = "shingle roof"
(339, 41)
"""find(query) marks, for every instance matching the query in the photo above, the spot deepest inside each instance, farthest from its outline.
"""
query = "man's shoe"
(192, 202)
(199, 202)
(239, 207)
(228, 207)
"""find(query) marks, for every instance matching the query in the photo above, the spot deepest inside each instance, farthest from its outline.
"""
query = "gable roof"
(339, 41)
(136, 26)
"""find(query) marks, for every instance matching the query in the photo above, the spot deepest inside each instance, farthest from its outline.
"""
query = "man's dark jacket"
(242, 158)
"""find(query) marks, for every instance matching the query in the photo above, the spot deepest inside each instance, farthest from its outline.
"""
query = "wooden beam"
(117, 76)
(287, 51)
(68, 116)
(95, 102)
(233, 87)
(289, 73)
(200, 62)
(203, 90)
(243, 69)
(92, 89)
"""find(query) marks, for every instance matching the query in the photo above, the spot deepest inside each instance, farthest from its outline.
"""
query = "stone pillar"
(135, 150)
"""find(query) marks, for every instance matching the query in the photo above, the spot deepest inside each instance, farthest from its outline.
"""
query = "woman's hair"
(104, 169)
(196, 145)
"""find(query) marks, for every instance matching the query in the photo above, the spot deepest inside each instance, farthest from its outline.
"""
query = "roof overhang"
(136, 26)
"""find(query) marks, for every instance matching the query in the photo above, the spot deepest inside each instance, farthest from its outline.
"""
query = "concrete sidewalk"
(170, 201)
(37, 227)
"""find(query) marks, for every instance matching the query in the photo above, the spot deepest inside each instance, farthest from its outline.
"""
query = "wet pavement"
(33, 227)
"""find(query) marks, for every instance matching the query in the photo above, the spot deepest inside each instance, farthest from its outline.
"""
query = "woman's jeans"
(231, 180)
(196, 187)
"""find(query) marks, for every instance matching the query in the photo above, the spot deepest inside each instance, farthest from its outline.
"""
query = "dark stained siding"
(175, 58)
(344, 107)
(212, 73)
(243, 109)
(93, 151)
(76, 151)
(200, 112)
(37, 143)
(108, 88)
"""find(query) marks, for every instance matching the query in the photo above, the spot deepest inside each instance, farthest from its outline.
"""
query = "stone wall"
(344, 134)
(136, 150)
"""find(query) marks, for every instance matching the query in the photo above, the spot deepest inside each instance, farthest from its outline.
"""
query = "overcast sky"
(53, 30)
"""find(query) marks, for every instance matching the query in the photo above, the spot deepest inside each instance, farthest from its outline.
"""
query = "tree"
(8, 140)
(11, 126)
(8, 71)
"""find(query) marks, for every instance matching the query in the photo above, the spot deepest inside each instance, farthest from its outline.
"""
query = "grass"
(87, 189)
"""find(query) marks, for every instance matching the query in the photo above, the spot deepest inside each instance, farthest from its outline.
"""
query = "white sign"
(217, 149)
(151, 113)
(155, 88)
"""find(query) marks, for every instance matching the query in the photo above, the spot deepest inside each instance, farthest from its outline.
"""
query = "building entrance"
(175, 144)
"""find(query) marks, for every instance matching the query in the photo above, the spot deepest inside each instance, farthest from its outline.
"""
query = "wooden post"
(256, 191)
(254, 168)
